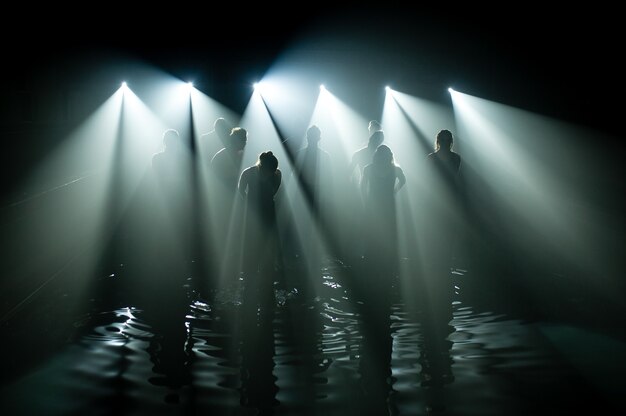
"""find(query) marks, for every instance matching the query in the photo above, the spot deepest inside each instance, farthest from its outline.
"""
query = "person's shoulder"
(156, 158)
(218, 155)
(361, 153)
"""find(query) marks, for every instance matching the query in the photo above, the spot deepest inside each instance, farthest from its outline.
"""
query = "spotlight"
(124, 85)
(322, 87)
(255, 85)
(450, 89)
(388, 88)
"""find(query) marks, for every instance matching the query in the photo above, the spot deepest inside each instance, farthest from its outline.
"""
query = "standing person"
(216, 139)
(382, 179)
(360, 159)
(364, 155)
(445, 162)
(225, 170)
(226, 164)
(443, 201)
(314, 172)
(257, 185)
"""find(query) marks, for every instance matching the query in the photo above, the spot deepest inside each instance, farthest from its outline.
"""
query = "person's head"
(222, 128)
(444, 140)
(376, 139)
(267, 162)
(238, 138)
(313, 135)
(374, 126)
(171, 139)
(383, 155)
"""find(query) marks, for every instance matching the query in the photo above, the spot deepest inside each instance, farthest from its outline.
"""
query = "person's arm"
(243, 183)
(352, 166)
(365, 182)
(277, 180)
(401, 179)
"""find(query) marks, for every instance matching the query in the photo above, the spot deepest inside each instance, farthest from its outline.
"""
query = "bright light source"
(124, 85)
(450, 89)
(388, 88)
(322, 87)
(255, 85)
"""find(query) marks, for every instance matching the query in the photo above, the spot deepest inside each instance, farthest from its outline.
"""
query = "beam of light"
(388, 88)
(427, 118)
(205, 111)
(262, 136)
(189, 87)
(68, 187)
(450, 90)
(290, 101)
(406, 141)
(322, 87)
(312, 234)
(527, 172)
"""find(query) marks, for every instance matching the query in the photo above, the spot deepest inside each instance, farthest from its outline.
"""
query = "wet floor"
(327, 351)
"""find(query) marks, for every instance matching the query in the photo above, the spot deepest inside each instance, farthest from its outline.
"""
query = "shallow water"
(326, 353)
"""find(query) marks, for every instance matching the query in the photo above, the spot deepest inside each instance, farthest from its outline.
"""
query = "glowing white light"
(388, 88)
(124, 85)
(322, 87)
(450, 89)
(256, 85)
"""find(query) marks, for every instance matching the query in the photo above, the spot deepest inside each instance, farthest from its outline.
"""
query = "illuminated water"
(323, 355)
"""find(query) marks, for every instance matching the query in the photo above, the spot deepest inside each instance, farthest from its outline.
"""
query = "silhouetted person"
(168, 266)
(257, 185)
(216, 139)
(225, 171)
(443, 202)
(360, 159)
(363, 156)
(170, 216)
(170, 164)
(313, 169)
(382, 179)
(226, 164)
(444, 160)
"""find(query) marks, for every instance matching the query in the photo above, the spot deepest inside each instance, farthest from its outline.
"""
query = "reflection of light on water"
(318, 347)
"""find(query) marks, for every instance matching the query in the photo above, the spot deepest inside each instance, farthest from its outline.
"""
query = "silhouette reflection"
(171, 347)
(376, 343)
(434, 345)
(258, 383)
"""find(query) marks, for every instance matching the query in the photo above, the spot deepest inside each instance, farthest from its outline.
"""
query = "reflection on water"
(334, 352)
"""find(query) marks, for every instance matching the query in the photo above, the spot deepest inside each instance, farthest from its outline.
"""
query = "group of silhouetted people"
(372, 169)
